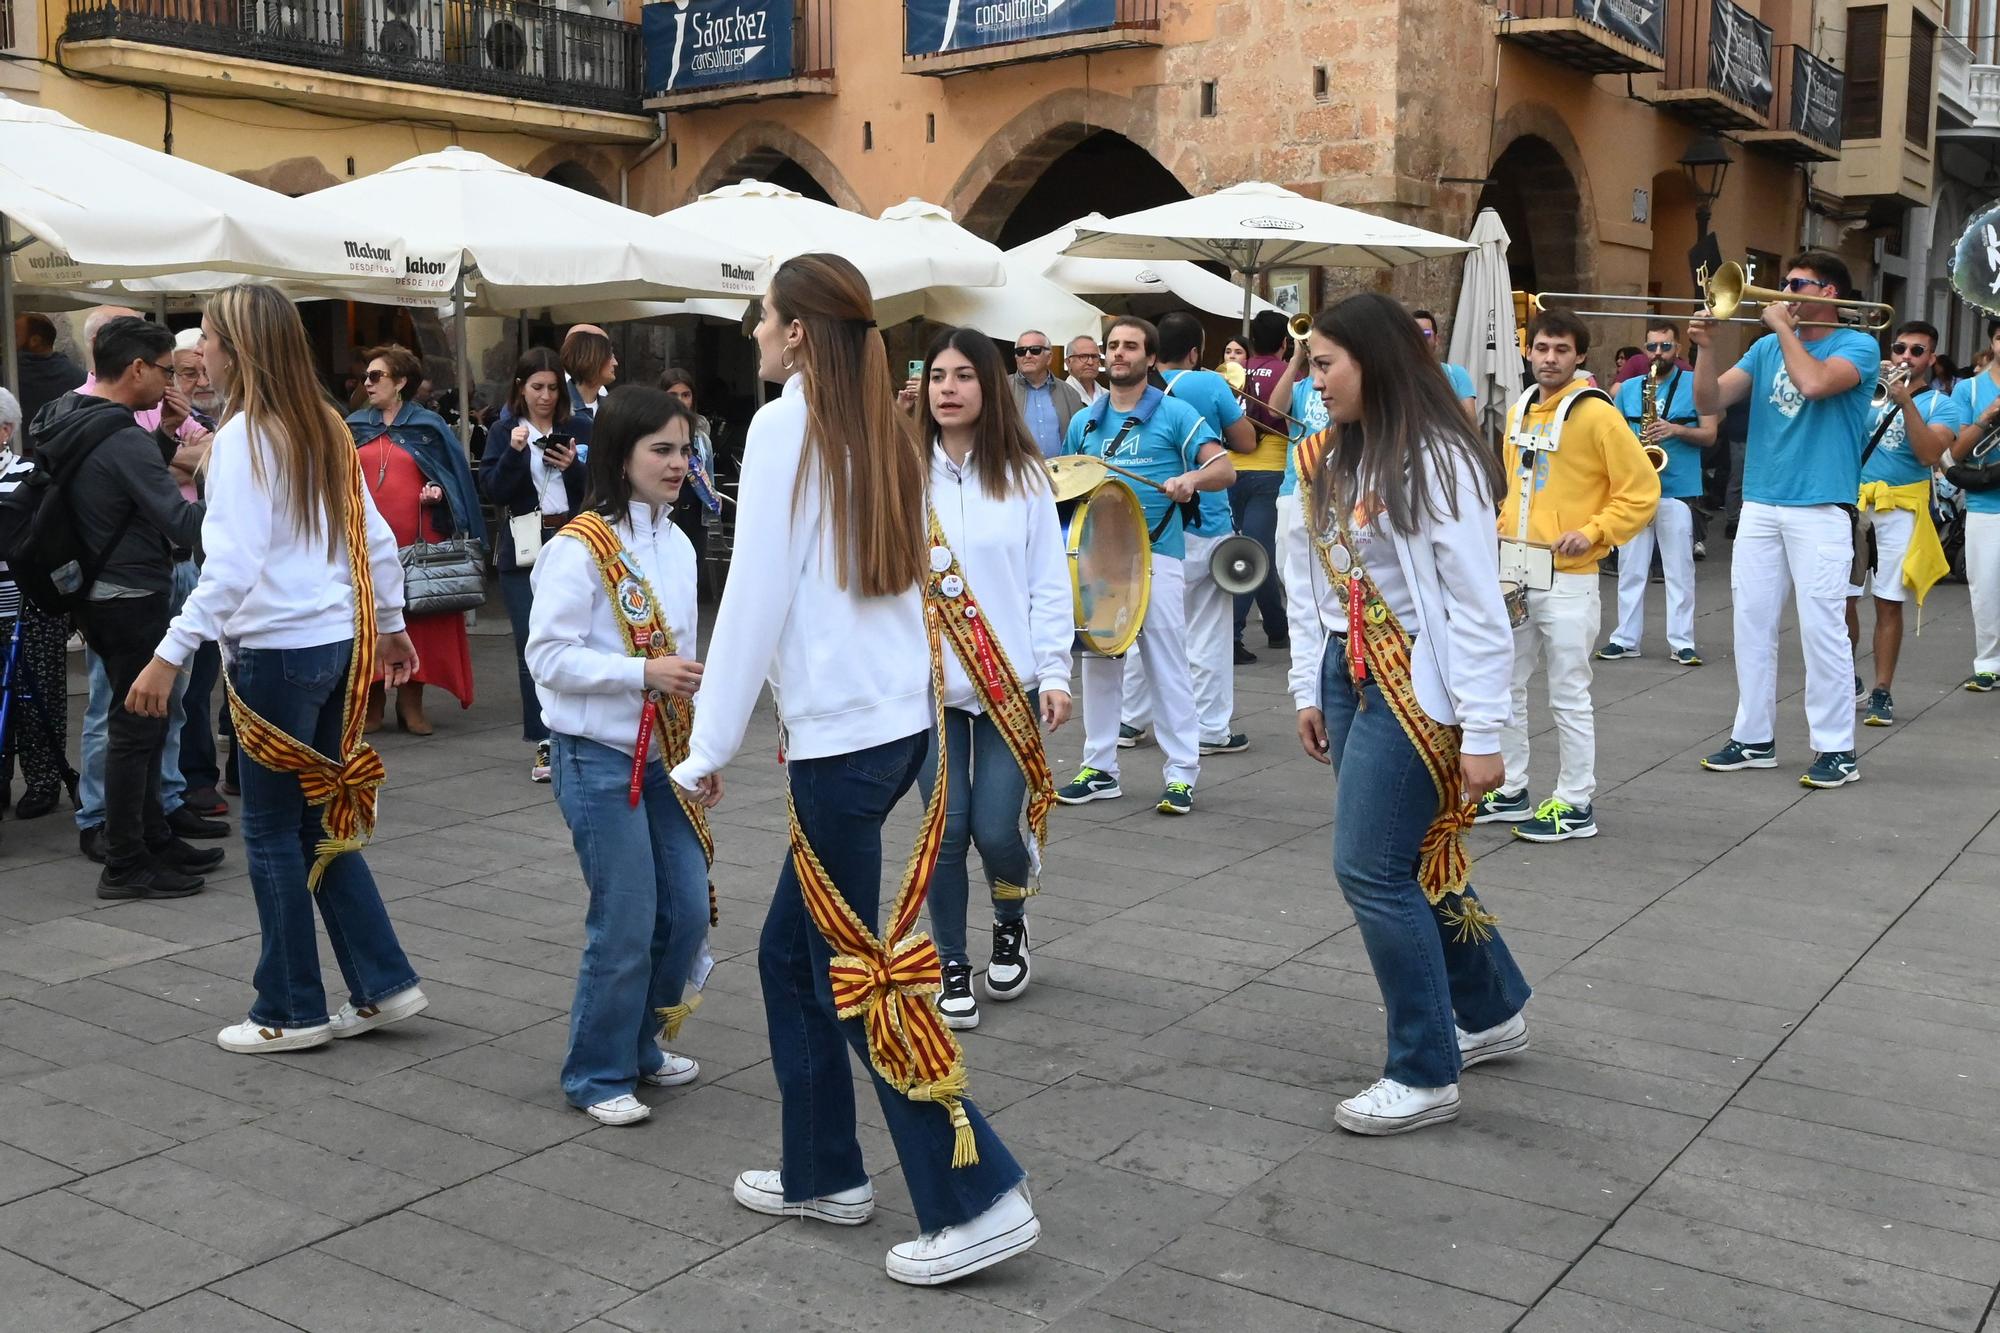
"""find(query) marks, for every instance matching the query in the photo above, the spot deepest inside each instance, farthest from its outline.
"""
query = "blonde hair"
(872, 470)
(270, 382)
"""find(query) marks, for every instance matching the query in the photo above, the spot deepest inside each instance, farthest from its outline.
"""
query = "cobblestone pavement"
(1762, 1091)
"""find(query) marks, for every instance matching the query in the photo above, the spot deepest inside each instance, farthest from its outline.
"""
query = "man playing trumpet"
(1659, 406)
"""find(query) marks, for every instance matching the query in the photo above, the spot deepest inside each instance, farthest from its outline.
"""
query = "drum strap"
(1110, 452)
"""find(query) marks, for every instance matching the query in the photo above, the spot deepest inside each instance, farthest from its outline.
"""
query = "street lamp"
(1706, 163)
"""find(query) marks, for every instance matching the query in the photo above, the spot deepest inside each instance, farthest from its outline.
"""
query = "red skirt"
(444, 655)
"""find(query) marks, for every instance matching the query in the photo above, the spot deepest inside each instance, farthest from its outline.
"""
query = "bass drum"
(1110, 566)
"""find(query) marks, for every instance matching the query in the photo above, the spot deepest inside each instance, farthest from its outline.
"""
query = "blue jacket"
(508, 480)
(424, 435)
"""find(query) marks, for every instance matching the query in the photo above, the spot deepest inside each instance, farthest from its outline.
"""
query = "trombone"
(1725, 295)
(1234, 375)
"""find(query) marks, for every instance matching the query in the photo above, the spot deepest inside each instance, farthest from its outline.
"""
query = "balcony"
(940, 39)
(697, 60)
(1804, 123)
(1954, 76)
(1718, 73)
(1983, 96)
(1592, 36)
(506, 65)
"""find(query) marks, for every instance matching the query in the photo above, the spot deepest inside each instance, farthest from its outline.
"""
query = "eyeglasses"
(375, 377)
(1020, 350)
(1084, 356)
(167, 369)
(1910, 349)
(1802, 284)
(1660, 347)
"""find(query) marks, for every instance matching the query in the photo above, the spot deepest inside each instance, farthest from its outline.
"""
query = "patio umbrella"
(1026, 301)
(1110, 284)
(78, 207)
(1256, 227)
(1482, 332)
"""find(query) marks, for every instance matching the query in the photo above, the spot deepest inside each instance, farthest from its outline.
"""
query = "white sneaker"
(405, 1003)
(1008, 971)
(1006, 1229)
(677, 1070)
(624, 1109)
(250, 1037)
(764, 1192)
(1506, 1039)
(1390, 1107)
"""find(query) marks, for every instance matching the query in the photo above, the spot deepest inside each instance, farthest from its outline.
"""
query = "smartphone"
(548, 442)
(916, 370)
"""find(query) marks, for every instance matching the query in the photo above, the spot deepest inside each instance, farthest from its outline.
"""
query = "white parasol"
(1483, 338)
(1026, 301)
(1112, 283)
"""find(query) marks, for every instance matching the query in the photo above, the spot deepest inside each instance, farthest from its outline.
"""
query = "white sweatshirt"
(586, 676)
(1444, 586)
(1011, 551)
(847, 672)
(265, 583)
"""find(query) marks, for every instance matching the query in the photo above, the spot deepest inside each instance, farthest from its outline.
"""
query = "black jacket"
(125, 477)
(43, 380)
(508, 480)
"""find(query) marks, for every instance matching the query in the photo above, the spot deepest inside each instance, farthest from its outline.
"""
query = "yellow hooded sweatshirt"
(1597, 482)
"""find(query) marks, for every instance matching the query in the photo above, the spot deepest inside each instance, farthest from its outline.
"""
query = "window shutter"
(1862, 116)
(1923, 57)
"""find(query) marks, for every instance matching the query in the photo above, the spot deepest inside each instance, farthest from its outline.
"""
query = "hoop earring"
(787, 361)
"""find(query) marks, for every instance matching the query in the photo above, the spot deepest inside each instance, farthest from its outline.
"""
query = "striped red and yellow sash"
(345, 786)
(1383, 650)
(647, 634)
(1002, 695)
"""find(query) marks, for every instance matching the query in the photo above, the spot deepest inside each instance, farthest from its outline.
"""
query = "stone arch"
(764, 149)
(589, 170)
(1020, 152)
(1542, 194)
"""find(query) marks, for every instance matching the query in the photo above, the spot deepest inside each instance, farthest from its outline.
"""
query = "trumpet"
(1726, 296)
(1892, 374)
(1301, 324)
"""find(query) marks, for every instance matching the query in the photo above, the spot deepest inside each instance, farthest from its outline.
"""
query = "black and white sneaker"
(956, 1003)
(1007, 973)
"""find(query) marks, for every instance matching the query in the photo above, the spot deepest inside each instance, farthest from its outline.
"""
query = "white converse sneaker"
(677, 1070)
(1001, 1232)
(624, 1109)
(764, 1192)
(1506, 1039)
(405, 1003)
(252, 1037)
(1390, 1107)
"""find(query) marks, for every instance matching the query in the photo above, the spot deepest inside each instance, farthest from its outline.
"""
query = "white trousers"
(1211, 651)
(1673, 529)
(1806, 550)
(1171, 696)
(1894, 529)
(1982, 575)
(1561, 627)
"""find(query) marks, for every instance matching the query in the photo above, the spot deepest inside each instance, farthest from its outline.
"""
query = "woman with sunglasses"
(421, 483)
(834, 613)
(1400, 605)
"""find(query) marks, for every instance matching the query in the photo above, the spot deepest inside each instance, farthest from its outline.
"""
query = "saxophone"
(1649, 412)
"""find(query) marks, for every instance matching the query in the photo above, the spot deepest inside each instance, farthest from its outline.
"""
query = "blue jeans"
(302, 692)
(198, 758)
(648, 914)
(519, 594)
(985, 797)
(842, 801)
(1383, 803)
(97, 713)
(1253, 499)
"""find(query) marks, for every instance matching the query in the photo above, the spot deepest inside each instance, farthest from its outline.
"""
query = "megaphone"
(1239, 564)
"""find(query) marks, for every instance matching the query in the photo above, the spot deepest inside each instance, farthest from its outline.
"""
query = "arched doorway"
(1538, 198)
(773, 165)
(574, 177)
(1066, 172)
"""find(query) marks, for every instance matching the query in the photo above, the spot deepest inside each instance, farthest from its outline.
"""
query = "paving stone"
(1151, 1296)
(267, 1083)
(94, 1000)
(60, 1039)
(23, 1174)
(207, 1208)
(47, 1302)
(141, 1099)
(392, 1142)
(201, 1312)
(693, 1301)
(586, 1174)
(481, 1274)
(133, 1260)
(317, 1292)
(475, 1112)
(1719, 1301)
(1572, 1312)
(66, 1133)
(301, 1173)
(613, 1246)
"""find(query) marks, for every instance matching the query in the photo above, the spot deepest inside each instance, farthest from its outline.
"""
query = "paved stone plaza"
(1761, 1096)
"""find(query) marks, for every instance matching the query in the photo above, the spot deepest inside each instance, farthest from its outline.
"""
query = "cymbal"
(1074, 475)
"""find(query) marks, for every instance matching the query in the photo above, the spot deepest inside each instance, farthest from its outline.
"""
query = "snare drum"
(1110, 565)
(1516, 598)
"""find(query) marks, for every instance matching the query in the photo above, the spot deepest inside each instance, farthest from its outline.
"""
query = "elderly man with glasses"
(1046, 402)
(1084, 361)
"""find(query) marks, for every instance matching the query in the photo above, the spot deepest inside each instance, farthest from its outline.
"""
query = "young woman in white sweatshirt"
(643, 860)
(1399, 488)
(990, 491)
(825, 601)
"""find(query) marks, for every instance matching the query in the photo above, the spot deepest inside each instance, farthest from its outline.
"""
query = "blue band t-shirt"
(1309, 407)
(1461, 382)
(1166, 441)
(1804, 451)
(1894, 461)
(1209, 394)
(1675, 402)
(1974, 396)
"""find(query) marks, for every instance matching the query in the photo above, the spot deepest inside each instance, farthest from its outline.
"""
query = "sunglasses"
(1041, 350)
(1910, 349)
(1802, 284)
(1659, 347)
(375, 377)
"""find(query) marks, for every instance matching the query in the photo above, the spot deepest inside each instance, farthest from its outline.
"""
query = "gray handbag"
(442, 577)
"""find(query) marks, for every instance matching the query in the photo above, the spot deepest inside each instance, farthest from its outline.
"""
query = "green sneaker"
(1983, 682)
(1090, 784)
(1558, 821)
(1177, 799)
(1881, 709)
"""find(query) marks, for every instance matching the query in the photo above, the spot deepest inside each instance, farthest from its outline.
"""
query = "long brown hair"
(1412, 424)
(872, 470)
(272, 384)
(1005, 457)
(534, 362)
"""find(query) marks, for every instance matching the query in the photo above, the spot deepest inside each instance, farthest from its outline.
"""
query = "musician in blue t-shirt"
(1979, 400)
(1683, 433)
(1808, 382)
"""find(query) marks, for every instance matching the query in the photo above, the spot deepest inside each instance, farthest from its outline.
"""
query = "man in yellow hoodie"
(1578, 484)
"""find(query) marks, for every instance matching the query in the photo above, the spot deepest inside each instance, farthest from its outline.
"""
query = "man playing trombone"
(1808, 382)
(1659, 406)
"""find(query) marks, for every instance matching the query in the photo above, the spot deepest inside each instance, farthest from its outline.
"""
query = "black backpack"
(39, 541)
